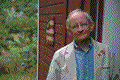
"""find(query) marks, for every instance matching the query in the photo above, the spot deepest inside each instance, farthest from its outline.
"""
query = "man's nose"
(80, 28)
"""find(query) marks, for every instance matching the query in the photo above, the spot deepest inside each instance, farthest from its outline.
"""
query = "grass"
(19, 76)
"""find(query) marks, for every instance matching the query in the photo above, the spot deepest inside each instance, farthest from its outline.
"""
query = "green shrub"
(18, 38)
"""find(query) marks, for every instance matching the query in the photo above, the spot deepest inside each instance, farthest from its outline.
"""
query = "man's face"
(80, 26)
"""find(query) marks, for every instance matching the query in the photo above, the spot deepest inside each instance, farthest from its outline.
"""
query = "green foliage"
(18, 38)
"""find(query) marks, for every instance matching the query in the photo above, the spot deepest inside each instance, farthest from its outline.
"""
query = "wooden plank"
(45, 3)
(42, 32)
(44, 70)
(82, 3)
(43, 25)
(100, 21)
(45, 58)
(59, 29)
(60, 39)
(59, 18)
(44, 40)
(93, 12)
(57, 46)
(44, 66)
(41, 77)
(69, 36)
(46, 50)
(73, 5)
(52, 9)
(87, 6)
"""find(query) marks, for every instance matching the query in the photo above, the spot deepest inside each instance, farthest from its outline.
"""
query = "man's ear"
(92, 26)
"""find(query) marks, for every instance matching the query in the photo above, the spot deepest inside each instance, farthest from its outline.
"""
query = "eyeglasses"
(83, 25)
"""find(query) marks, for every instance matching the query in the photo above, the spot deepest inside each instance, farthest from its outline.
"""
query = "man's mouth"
(80, 32)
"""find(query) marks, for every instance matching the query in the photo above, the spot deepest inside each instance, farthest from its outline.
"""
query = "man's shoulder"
(98, 44)
(103, 45)
(69, 47)
(61, 51)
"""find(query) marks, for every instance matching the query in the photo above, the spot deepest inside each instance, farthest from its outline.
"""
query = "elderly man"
(82, 59)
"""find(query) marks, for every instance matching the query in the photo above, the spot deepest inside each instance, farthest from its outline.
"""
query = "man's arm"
(54, 71)
(113, 67)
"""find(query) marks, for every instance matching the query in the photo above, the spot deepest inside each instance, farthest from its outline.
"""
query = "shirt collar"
(76, 47)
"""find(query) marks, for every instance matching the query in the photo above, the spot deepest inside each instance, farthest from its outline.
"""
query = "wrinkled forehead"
(78, 17)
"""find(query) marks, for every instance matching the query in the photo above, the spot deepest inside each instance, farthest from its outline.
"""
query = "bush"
(18, 38)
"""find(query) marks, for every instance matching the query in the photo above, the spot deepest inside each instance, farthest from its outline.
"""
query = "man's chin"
(81, 38)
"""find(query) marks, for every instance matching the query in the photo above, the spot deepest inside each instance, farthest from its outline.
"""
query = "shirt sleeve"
(114, 67)
(54, 70)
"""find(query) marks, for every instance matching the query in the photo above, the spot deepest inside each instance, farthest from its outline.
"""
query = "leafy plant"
(18, 38)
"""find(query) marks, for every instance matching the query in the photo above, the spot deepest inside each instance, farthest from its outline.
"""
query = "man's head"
(80, 23)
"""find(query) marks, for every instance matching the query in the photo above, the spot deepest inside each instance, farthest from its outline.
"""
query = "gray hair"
(78, 10)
